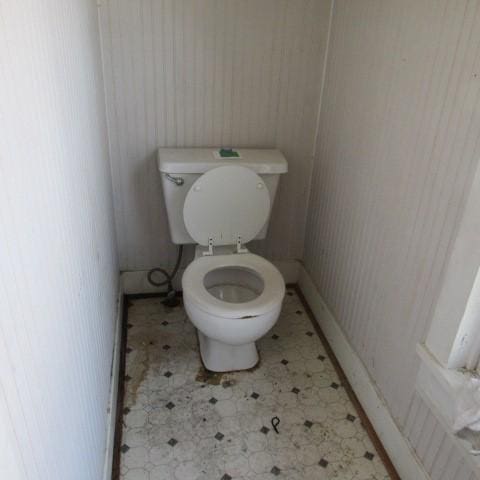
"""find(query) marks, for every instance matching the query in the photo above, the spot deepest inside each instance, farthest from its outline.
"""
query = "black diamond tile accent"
(168, 374)
(129, 325)
(166, 347)
(284, 361)
(164, 323)
(298, 312)
(172, 442)
(128, 378)
(295, 390)
(264, 430)
(219, 436)
(275, 470)
(321, 358)
(226, 477)
(129, 350)
(275, 336)
(124, 448)
(369, 455)
(323, 463)
(170, 405)
(213, 401)
(126, 411)
(309, 334)
(255, 395)
(350, 418)
(334, 385)
(308, 423)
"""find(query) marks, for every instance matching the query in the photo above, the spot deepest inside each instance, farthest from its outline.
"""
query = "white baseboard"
(399, 450)
(136, 281)
(114, 382)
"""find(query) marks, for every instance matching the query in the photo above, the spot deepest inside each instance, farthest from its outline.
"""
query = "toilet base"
(221, 357)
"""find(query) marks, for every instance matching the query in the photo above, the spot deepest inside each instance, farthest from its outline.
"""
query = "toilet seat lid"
(226, 203)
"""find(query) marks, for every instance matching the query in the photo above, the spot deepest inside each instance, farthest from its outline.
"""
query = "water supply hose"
(168, 276)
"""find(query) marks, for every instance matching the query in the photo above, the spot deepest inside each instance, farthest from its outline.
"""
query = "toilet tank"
(180, 167)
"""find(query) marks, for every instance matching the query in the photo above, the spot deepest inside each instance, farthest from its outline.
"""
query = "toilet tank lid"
(200, 160)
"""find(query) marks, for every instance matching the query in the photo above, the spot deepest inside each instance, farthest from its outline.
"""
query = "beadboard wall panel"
(58, 264)
(434, 447)
(209, 73)
(397, 147)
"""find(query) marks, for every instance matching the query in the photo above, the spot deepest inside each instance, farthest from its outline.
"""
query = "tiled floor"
(180, 423)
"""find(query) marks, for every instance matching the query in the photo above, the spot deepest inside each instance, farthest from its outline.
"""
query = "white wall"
(58, 267)
(209, 73)
(397, 145)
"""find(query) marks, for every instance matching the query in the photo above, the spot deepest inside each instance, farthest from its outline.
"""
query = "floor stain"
(217, 378)
(139, 368)
(207, 376)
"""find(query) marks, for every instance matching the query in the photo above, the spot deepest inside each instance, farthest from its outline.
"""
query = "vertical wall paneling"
(396, 149)
(208, 73)
(58, 265)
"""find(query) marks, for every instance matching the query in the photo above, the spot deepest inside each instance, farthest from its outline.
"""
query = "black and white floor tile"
(182, 423)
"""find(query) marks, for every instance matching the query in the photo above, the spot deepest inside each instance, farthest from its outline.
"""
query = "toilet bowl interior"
(234, 284)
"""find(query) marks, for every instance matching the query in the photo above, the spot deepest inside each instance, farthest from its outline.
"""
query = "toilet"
(232, 296)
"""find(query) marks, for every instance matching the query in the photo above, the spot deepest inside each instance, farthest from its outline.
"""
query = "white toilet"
(233, 297)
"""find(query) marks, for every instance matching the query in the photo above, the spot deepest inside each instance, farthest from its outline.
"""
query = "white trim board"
(136, 281)
(399, 450)
(114, 382)
(438, 386)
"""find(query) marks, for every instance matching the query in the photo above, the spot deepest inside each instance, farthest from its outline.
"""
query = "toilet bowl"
(233, 297)
(232, 300)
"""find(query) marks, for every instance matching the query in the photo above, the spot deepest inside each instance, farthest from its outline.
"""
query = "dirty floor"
(180, 423)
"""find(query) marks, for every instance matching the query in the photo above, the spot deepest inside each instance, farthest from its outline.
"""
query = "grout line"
(350, 392)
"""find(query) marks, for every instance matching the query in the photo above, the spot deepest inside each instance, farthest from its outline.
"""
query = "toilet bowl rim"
(195, 292)
(234, 315)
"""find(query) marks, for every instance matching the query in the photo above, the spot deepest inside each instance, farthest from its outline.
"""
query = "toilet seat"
(194, 289)
(227, 205)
